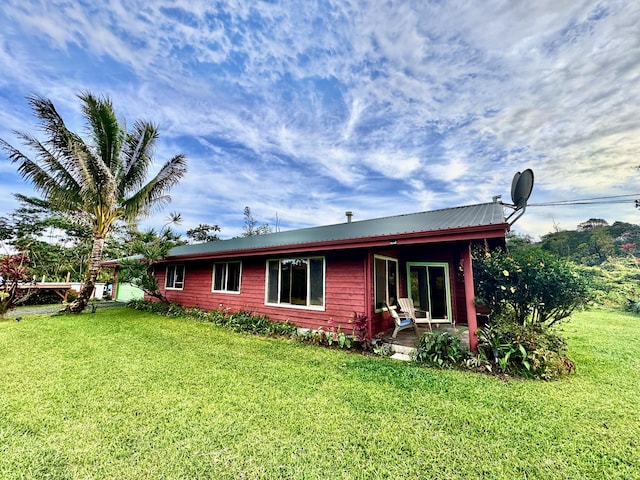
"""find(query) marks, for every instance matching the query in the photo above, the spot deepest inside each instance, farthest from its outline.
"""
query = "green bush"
(613, 282)
(241, 321)
(524, 350)
(528, 285)
(633, 306)
(441, 349)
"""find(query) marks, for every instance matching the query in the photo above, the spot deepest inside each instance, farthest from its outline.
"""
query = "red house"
(311, 275)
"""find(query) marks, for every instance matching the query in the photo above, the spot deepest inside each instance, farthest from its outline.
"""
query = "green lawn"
(122, 394)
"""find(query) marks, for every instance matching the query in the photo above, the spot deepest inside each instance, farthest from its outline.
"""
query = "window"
(297, 281)
(175, 277)
(386, 280)
(226, 277)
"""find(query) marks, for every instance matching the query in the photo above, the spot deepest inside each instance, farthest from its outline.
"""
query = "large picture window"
(386, 280)
(175, 277)
(226, 277)
(296, 281)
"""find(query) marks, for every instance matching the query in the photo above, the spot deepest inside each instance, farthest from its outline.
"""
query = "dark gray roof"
(470, 216)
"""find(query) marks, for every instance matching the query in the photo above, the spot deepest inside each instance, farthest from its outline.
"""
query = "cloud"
(371, 107)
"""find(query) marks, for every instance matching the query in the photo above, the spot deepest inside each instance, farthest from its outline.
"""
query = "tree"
(592, 224)
(101, 181)
(147, 248)
(56, 242)
(518, 242)
(202, 233)
(528, 285)
(251, 226)
(601, 244)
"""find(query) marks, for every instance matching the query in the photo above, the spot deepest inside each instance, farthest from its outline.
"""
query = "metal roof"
(470, 216)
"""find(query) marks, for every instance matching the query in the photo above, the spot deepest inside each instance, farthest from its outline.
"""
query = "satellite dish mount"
(521, 188)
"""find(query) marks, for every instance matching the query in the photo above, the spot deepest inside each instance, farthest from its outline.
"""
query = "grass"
(123, 394)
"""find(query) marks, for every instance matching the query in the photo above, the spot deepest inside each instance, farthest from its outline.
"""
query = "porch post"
(469, 295)
(368, 300)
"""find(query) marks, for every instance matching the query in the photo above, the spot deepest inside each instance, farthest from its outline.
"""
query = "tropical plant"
(440, 349)
(360, 324)
(146, 249)
(528, 285)
(533, 350)
(241, 321)
(57, 245)
(13, 272)
(101, 181)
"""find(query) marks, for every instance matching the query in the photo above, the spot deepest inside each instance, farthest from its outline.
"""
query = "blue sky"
(303, 110)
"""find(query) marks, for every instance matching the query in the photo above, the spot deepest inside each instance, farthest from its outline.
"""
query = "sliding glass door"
(428, 285)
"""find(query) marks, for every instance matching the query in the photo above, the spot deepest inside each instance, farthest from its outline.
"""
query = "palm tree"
(101, 181)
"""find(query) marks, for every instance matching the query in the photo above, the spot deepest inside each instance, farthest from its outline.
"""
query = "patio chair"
(419, 317)
(401, 322)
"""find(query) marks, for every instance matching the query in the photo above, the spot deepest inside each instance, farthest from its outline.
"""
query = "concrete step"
(400, 356)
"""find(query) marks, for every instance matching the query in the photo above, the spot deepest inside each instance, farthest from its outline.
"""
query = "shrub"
(241, 321)
(333, 336)
(441, 349)
(524, 350)
(360, 327)
(528, 286)
(633, 306)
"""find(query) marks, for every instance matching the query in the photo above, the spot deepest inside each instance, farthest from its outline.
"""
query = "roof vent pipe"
(349, 214)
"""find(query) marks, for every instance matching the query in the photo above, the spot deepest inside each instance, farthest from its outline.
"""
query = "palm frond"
(137, 152)
(57, 163)
(154, 193)
(104, 129)
(54, 183)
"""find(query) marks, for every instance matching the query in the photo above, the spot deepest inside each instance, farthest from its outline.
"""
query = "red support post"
(469, 294)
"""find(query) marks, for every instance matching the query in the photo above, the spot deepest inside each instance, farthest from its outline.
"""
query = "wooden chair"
(402, 322)
(421, 317)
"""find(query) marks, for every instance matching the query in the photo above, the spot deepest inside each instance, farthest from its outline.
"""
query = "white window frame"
(225, 280)
(308, 306)
(174, 277)
(387, 298)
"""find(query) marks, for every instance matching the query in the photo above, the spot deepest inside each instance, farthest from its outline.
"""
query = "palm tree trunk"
(79, 304)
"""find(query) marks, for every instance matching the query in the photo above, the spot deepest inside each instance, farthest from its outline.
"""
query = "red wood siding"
(344, 291)
(349, 285)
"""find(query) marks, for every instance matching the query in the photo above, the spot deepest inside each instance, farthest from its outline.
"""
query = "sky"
(304, 110)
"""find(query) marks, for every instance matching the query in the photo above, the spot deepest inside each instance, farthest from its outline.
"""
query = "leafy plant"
(241, 321)
(383, 349)
(633, 306)
(13, 271)
(360, 324)
(440, 349)
(524, 350)
(528, 286)
(147, 248)
(334, 335)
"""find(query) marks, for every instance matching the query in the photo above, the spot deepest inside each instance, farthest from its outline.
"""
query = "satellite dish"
(521, 188)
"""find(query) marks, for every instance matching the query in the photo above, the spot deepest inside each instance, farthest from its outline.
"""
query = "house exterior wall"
(344, 290)
(349, 285)
(126, 291)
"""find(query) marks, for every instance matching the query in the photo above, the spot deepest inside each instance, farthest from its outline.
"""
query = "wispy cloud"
(377, 108)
